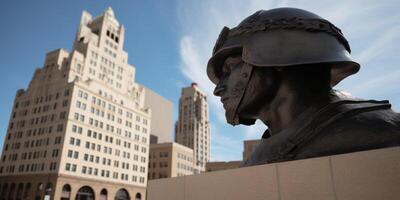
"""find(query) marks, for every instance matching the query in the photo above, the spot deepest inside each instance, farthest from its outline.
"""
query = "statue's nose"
(219, 88)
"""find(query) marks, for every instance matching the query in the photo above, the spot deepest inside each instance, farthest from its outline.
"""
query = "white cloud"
(379, 45)
(255, 131)
(371, 27)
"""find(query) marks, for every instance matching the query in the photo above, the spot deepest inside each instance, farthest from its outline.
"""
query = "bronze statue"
(279, 66)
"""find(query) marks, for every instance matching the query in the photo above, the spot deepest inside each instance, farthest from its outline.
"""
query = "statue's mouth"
(224, 99)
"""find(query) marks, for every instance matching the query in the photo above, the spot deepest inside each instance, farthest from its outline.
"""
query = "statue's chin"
(229, 119)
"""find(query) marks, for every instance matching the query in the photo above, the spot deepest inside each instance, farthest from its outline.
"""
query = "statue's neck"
(288, 105)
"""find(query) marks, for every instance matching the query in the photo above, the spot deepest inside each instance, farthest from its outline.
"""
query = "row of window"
(34, 167)
(108, 127)
(106, 150)
(160, 175)
(99, 102)
(30, 144)
(111, 44)
(184, 167)
(185, 157)
(39, 119)
(41, 99)
(113, 36)
(109, 139)
(103, 173)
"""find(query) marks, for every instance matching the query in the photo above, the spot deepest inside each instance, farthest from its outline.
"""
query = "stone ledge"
(366, 175)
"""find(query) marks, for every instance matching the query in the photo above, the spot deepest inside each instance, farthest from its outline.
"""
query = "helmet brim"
(339, 69)
(214, 66)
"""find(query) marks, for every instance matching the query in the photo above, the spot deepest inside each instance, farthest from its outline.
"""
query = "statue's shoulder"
(368, 116)
(360, 126)
(343, 126)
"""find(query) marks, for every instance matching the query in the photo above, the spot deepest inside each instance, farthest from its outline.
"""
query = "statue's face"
(260, 90)
(230, 74)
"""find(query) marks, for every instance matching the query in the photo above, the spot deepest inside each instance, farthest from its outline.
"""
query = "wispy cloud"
(379, 45)
(372, 28)
(223, 147)
(255, 131)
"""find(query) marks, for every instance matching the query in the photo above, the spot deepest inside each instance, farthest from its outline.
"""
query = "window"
(76, 116)
(86, 157)
(78, 104)
(76, 155)
(74, 128)
(60, 127)
(67, 167)
(89, 133)
(57, 140)
(72, 141)
(73, 168)
(63, 115)
(90, 170)
(70, 152)
(66, 92)
(87, 145)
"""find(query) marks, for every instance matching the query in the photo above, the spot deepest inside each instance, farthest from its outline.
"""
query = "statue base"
(366, 175)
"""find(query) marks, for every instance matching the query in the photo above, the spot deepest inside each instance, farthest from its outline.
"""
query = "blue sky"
(169, 43)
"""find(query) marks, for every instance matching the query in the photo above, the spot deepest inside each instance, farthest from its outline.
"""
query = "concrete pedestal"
(366, 175)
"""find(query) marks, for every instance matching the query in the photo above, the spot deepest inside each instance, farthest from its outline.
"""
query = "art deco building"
(192, 128)
(80, 130)
(170, 159)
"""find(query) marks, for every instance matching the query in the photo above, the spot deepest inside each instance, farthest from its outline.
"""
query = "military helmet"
(284, 37)
(280, 37)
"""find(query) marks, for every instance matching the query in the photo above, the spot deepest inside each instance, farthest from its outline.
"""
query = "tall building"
(162, 125)
(192, 128)
(170, 159)
(248, 147)
(81, 129)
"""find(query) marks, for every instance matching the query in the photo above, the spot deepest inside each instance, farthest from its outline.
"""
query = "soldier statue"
(279, 66)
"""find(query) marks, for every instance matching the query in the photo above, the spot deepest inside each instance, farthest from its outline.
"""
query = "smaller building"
(217, 166)
(170, 160)
(248, 147)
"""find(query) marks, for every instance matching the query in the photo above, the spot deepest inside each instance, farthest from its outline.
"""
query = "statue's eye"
(226, 69)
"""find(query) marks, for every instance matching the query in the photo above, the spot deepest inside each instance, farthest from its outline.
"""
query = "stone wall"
(367, 175)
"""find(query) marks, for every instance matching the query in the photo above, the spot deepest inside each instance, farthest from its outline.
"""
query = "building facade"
(170, 159)
(192, 128)
(217, 166)
(248, 147)
(162, 125)
(81, 129)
